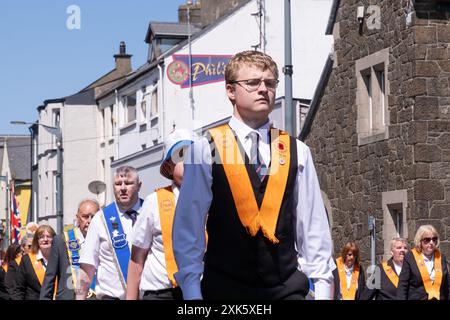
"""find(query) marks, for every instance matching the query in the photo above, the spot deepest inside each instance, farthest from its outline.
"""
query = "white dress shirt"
(429, 263)
(313, 240)
(147, 234)
(98, 252)
(40, 257)
(398, 268)
(348, 275)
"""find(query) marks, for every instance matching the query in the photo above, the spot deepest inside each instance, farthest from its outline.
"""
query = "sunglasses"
(428, 239)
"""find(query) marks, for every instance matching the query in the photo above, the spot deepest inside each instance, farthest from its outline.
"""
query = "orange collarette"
(166, 204)
(433, 289)
(347, 294)
(253, 218)
(390, 273)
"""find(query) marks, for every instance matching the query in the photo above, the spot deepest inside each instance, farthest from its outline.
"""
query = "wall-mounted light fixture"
(360, 16)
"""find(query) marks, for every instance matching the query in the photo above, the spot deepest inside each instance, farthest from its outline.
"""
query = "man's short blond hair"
(249, 58)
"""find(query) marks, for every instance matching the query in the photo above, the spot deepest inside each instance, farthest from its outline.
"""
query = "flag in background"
(15, 218)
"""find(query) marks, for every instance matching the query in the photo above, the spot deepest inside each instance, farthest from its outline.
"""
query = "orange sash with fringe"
(251, 217)
(347, 294)
(433, 289)
(166, 205)
(391, 274)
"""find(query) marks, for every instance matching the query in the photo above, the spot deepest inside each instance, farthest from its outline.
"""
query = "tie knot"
(254, 136)
(132, 214)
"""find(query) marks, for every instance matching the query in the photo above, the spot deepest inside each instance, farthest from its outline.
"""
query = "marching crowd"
(243, 218)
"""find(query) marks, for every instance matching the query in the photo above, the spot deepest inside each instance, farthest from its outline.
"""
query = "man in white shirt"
(62, 267)
(266, 221)
(107, 249)
(151, 267)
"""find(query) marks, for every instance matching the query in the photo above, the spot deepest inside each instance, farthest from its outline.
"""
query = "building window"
(143, 109)
(154, 105)
(56, 120)
(112, 121)
(103, 122)
(35, 149)
(130, 107)
(394, 204)
(371, 97)
(56, 117)
(143, 105)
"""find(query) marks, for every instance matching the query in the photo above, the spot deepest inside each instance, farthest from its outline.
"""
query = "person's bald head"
(86, 211)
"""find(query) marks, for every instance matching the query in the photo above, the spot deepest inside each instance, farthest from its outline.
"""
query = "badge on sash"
(118, 240)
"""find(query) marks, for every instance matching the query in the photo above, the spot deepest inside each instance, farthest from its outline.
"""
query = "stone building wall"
(415, 154)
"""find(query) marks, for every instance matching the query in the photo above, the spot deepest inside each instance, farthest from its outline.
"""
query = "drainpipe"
(163, 110)
(117, 124)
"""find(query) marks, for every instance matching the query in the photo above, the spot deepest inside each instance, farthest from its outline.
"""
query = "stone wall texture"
(416, 154)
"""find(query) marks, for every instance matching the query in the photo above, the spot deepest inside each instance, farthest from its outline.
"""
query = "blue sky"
(40, 58)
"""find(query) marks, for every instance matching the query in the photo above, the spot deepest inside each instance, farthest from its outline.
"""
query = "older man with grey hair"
(63, 261)
(107, 249)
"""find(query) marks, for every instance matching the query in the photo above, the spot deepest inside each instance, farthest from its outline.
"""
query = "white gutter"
(163, 111)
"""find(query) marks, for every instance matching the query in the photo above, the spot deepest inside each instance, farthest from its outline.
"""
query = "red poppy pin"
(281, 147)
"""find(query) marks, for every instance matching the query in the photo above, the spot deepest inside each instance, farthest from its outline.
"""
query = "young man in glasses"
(267, 226)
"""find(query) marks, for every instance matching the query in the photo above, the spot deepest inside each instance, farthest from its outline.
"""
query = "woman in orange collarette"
(30, 274)
(349, 280)
(424, 274)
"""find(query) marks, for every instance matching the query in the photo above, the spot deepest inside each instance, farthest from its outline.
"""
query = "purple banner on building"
(206, 68)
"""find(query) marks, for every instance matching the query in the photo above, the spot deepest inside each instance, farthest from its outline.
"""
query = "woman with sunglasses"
(32, 267)
(424, 275)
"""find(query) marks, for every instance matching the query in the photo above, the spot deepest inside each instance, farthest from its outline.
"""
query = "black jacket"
(10, 278)
(58, 267)
(3, 292)
(359, 291)
(387, 290)
(27, 282)
(410, 285)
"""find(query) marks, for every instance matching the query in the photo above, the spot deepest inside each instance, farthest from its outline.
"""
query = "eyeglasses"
(42, 237)
(253, 84)
(428, 239)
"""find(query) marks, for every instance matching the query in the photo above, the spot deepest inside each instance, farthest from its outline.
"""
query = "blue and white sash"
(73, 251)
(118, 240)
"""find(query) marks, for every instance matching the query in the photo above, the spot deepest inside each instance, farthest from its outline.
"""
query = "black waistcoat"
(231, 250)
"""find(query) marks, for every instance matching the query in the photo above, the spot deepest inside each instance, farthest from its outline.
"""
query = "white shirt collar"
(398, 268)
(348, 270)
(425, 259)
(79, 235)
(175, 190)
(242, 130)
(136, 207)
(40, 256)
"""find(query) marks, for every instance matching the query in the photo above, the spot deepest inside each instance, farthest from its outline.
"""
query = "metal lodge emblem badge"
(73, 245)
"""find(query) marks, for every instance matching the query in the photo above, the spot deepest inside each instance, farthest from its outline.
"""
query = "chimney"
(123, 60)
(194, 12)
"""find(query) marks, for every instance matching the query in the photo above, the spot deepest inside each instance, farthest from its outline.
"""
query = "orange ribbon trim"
(251, 217)
(432, 289)
(38, 267)
(347, 294)
(40, 271)
(391, 274)
(166, 204)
